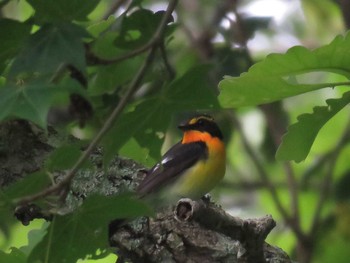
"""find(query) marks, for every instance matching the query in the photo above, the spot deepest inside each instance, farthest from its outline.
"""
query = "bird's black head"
(204, 123)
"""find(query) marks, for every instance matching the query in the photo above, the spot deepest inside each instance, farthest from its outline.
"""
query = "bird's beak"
(184, 126)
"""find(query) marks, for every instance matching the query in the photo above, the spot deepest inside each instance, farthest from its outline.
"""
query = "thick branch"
(200, 232)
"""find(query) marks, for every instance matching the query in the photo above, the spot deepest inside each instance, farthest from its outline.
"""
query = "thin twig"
(102, 61)
(169, 68)
(259, 167)
(94, 60)
(62, 186)
(277, 128)
(265, 178)
(293, 190)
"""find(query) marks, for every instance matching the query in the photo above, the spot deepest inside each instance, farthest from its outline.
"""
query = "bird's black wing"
(178, 159)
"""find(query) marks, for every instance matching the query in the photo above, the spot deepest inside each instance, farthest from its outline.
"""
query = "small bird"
(191, 168)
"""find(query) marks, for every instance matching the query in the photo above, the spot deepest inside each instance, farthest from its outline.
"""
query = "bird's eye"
(200, 122)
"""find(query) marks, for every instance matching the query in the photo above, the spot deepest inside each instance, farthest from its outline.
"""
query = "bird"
(193, 166)
(189, 169)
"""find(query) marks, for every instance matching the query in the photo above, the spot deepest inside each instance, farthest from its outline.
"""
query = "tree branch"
(200, 232)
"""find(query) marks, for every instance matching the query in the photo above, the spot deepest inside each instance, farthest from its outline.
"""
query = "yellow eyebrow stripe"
(194, 120)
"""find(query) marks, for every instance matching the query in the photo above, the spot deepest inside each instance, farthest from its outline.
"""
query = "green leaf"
(12, 35)
(32, 101)
(63, 158)
(132, 149)
(64, 10)
(15, 256)
(100, 27)
(82, 233)
(297, 142)
(30, 184)
(274, 78)
(49, 48)
(138, 28)
(151, 118)
(103, 46)
(108, 78)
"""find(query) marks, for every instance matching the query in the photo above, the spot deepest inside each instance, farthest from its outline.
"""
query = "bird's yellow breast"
(206, 173)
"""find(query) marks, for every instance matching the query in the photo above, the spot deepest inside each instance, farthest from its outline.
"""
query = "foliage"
(276, 78)
(125, 79)
(89, 221)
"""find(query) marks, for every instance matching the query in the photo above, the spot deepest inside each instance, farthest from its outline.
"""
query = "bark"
(23, 149)
(208, 235)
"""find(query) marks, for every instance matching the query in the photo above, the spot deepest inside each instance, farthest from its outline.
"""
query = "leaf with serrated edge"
(63, 10)
(33, 101)
(297, 142)
(83, 232)
(49, 48)
(267, 81)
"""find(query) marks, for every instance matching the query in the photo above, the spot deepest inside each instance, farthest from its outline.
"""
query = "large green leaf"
(67, 10)
(32, 101)
(273, 78)
(151, 118)
(50, 47)
(100, 27)
(30, 184)
(12, 35)
(297, 142)
(109, 77)
(138, 28)
(63, 158)
(82, 233)
(15, 256)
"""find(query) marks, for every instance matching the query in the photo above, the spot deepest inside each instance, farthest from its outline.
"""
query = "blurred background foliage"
(67, 64)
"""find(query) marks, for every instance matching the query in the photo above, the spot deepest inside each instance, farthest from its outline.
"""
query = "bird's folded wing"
(177, 160)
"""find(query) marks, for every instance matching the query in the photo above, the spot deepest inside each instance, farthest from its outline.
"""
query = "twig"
(61, 187)
(345, 7)
(311, 171)
(265, 178)
(169, 68)
(201, 43)
(293, 190)
(277, 128)
(94, 60)
(259, 167)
